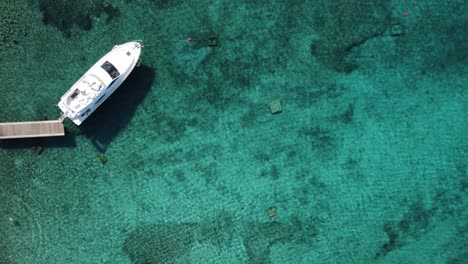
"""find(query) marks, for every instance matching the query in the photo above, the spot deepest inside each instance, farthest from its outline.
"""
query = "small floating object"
(102, 158)
(37, 149)
(396, 30)
(271, 212)
(213, 41)
(275, 106)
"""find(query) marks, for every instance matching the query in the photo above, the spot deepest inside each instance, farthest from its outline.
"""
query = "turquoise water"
(185, 163)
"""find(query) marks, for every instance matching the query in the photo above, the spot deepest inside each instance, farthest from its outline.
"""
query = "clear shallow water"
(366, 163)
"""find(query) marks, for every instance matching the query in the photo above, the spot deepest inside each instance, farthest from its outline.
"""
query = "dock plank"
(49, 128)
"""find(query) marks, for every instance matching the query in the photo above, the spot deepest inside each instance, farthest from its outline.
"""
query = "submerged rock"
(275, 106)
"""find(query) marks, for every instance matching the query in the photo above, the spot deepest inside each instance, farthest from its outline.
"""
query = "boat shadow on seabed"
(117, 111)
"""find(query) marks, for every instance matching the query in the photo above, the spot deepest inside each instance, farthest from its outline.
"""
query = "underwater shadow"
(116, 112)
(166, 243)
(170, 243)
(39, 143)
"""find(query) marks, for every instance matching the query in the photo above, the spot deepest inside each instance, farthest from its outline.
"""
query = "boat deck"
(49, 128)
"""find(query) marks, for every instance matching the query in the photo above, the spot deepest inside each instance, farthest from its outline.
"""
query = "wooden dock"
(49, 128)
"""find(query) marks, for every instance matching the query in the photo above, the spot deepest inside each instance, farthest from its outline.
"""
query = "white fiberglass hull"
(99, 82)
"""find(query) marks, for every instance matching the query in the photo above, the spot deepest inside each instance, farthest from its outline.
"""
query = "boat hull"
(107, 74)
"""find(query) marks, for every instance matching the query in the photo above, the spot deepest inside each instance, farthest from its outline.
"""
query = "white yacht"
(99, 82)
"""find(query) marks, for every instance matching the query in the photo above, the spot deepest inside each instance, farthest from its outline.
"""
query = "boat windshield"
(110, 69)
